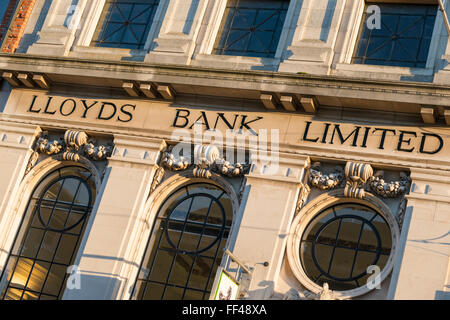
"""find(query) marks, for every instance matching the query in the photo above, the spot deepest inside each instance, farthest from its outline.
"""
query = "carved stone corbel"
(357, 174)
(205, 157)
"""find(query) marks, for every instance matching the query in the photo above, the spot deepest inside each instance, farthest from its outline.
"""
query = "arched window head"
(186, 244)
(49, 235)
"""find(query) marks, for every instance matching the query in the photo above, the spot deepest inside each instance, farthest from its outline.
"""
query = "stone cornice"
(333, 86)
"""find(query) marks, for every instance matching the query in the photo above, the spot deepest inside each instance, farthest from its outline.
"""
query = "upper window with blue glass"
(251, 28)
(125, 23)
(401, 38)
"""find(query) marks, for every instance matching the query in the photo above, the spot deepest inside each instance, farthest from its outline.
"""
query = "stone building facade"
(140, 139)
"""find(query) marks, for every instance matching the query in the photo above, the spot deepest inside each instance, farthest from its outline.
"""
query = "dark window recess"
(186, 245)
(49, 236)
(125, 24)
(251, 28)
(340, 244)
(403, 39)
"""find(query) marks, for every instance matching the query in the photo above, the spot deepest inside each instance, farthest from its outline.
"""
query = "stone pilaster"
(58, 32)
(422, 261)
(316, 30)
(121, 198)
(16, 141)
(175, 42)
(269, 204)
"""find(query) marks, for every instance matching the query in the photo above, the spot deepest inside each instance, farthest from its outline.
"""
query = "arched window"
(49, 235)
(186, 244)
(341, 242)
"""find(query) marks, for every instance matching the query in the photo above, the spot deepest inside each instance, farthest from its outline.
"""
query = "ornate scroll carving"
(357, 174)
(72, 145)
(390, 189)
(323, 181)
(302, 197)
(207, 160)
(157, 178)
(401, 212)
(242, 188)
(32, 161)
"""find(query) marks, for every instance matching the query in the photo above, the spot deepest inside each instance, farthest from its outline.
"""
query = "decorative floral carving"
(231, 170)
(174, 164)
(390, 189)
(207, 160)
(97, 152)
(72, 145)
(43, 145)
(358, 178)
(323, 181)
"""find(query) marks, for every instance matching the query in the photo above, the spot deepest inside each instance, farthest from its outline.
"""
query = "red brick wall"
(16, 24)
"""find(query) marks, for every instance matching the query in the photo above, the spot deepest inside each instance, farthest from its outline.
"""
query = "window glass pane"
(251, 28)
(48, 236)
(32, 242)
(55, 279)
(38, 275)
(403, 38)
(125, 23)
(184, 251)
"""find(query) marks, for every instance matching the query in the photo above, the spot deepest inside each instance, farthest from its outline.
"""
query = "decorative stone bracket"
(357, 175)
(358, 178)
(71, 146)
(206, 161)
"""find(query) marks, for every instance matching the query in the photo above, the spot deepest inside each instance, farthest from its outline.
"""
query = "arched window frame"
(142, 231)
(308, 214)
(12, 219)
